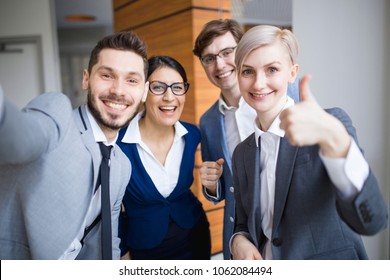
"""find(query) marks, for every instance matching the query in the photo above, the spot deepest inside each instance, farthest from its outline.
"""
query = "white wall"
(344, 45)
(31, 18)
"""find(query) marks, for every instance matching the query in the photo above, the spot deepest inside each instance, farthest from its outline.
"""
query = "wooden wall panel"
(205, 92)
(170, 27)
(120, 3)
(223, 5)
(172, 36)
(215, 218)
(143, 12)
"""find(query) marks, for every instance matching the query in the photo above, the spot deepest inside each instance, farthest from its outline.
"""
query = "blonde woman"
(303, 187)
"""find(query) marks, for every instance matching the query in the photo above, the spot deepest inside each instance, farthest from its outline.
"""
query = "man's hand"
(210, 172)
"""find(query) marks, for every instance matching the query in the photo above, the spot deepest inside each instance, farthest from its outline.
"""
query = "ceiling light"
(80, 18)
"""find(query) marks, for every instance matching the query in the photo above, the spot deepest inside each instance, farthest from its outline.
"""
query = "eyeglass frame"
(186, 85)
(216, 55)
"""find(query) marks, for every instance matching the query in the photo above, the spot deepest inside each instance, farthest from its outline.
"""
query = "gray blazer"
(311, 219)
(214, 146)
(49, 163)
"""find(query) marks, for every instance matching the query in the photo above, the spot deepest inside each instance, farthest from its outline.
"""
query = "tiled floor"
(218, 256)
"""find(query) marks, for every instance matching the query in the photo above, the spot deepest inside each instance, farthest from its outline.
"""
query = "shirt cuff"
(217, 191)
(348, 174)
(244, 233)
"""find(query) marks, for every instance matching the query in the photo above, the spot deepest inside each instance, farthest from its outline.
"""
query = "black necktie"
(106, 208)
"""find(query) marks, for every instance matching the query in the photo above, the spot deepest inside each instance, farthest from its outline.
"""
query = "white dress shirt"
(238, 125)
(94, 208)
(238, 122)
(165, 176)
(348, 174)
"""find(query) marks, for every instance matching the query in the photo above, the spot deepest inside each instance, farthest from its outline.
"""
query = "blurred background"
(45, 45)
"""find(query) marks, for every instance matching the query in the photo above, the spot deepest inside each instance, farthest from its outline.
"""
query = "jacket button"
(231, 219)
(231, 189)
(276, 242)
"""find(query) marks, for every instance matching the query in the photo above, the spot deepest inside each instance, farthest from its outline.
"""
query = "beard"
(111, 121)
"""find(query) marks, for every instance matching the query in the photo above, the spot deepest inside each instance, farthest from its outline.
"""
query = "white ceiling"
(276, 12)
(101, 9)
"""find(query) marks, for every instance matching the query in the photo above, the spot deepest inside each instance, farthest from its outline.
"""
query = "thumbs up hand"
(307, 123)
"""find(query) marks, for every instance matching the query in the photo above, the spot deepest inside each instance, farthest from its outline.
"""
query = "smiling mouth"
(261, 94)
(116, 106)
(225, 74)
(168, 108)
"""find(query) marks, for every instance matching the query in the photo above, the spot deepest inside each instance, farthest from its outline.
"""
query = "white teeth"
(116, 105)
(260, 94)
(224, 75)
(167, 108)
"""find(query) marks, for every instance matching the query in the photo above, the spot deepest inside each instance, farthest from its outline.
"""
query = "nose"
(118, 87)
(260, 81)
(219, 61)
(168, 95)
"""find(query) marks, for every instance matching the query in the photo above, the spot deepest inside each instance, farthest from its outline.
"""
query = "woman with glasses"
(162, 218)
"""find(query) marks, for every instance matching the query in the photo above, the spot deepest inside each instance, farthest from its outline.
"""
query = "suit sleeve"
(367, 212)
(206, 156)
(117, 223)
(27, 134)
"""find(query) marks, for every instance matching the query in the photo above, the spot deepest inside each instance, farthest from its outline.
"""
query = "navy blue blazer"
(148, 212)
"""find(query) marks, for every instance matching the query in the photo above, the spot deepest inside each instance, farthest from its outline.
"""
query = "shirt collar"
(97, 131)
(133, 135)
(223, 106)
(275, 126)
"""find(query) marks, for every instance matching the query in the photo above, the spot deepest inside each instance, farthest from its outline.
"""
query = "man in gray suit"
(50, 158)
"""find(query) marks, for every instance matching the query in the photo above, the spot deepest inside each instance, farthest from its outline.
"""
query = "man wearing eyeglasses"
(228, 121)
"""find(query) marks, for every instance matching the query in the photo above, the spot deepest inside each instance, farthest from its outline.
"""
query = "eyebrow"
(132, 73)
(218, 51)
(268, 64)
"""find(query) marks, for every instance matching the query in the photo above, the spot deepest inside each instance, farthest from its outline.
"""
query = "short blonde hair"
(264, 35)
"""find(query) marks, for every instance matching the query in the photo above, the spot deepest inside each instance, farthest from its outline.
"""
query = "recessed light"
(80, 18)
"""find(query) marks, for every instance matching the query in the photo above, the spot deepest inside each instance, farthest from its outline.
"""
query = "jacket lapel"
(284, 171)
(252, 166)
(88, 140)
(216, 131)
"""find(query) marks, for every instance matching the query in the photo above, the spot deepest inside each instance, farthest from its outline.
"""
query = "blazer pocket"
(344, 253)
(302, 159)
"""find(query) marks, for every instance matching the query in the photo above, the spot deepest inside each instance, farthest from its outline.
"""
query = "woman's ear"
(293, 73)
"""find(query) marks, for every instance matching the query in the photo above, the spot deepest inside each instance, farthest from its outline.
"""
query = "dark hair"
(126, 40)
(156, 62)
(216, 28)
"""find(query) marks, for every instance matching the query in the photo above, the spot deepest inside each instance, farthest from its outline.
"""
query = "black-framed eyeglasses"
(159, 88)
(209, 59)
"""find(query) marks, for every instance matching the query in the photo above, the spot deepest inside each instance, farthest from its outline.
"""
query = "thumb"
(220, 161)
(304, 89)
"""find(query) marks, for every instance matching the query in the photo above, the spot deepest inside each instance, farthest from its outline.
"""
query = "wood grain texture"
(170, 28)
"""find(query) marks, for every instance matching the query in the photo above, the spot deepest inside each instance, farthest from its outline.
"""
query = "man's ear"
(85, 83)
(146, 90)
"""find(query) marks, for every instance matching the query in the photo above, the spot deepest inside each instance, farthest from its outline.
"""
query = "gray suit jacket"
(49, 163)
(311, 219)
(214, 146)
